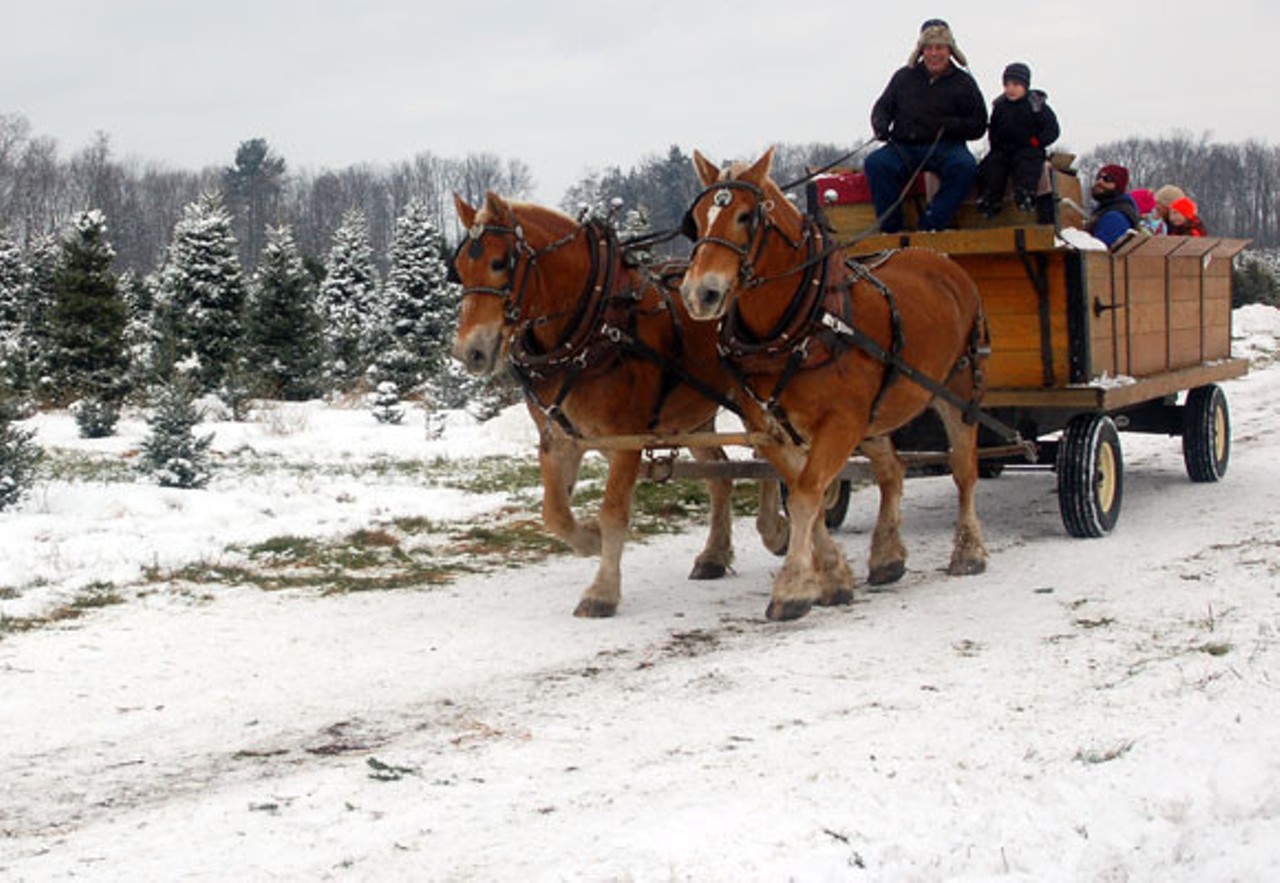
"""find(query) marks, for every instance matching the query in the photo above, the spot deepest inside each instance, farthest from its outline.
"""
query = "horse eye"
(744, 218)
(498, 264)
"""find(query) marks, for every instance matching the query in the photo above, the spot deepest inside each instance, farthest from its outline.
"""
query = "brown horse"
(601, 349)
(820, 347)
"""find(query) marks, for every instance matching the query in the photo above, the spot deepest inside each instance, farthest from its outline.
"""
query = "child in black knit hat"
(1022, 126)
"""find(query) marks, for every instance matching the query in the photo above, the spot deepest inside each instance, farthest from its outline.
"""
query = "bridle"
(759, 225)
(521, 260)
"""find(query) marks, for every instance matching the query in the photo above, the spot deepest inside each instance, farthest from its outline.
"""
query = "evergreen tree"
(141, 336)
(13, 287)
(385, 401)
(282, 328)
(32, 368)
(253, 187)
(349, 301)
(201, 296)
(87, 319)
(1254, 280)
(18, 458)
(171, 452)
(419, 303)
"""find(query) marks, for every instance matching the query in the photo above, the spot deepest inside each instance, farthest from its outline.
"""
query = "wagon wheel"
(835, 502)
(1090, 476)
(1206, 433)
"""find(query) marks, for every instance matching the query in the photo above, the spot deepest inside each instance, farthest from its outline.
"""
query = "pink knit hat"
(1145, 199)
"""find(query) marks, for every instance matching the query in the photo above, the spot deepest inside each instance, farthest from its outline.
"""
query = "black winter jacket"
(912, 109)
(1016, 125)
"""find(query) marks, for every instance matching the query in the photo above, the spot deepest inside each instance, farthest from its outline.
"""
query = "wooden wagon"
(1085, 342)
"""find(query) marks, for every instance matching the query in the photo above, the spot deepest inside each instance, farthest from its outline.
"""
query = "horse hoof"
(887, 573)
(967, 567)
(708, 570)
(788, 610)
(838, 598)
(594, 608)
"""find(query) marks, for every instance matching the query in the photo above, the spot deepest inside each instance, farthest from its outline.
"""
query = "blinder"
(472, 242)
(689, 226)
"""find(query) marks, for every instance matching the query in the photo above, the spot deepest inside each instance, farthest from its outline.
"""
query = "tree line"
(255, 279)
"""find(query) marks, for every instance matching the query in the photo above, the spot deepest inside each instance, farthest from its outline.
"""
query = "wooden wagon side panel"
(1159, 304)
(1107, 318)
(1029, 341)
(1147, 302)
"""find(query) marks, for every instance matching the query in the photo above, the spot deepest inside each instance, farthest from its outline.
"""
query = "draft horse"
(832, 356)
(600, 348)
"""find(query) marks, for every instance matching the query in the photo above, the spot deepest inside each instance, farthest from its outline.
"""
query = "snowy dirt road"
(1085, 710)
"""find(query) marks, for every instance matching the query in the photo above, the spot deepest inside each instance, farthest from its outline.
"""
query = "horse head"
(484, 264)
(506, 250)
(730, 222)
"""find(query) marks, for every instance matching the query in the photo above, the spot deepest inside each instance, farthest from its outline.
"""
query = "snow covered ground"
(1085, 710)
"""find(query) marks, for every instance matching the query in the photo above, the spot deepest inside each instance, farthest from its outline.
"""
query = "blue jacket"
(1113, 217)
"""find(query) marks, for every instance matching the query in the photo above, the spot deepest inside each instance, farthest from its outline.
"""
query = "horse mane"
(529, 213)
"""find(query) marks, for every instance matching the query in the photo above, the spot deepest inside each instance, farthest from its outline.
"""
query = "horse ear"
(761, 168)
(497, 206)
(708, 172)
(466, 213)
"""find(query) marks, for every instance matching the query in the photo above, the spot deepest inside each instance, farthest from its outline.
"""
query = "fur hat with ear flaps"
(933, 32)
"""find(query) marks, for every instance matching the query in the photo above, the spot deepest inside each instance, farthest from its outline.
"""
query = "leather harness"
(602, 330)
(819, 325)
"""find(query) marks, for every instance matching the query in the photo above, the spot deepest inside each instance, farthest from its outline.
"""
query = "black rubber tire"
(835, 502)
(1206, 433)
(1090, 476)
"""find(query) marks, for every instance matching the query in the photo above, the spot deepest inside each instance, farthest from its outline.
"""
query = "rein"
(602, 328)
(818, 323)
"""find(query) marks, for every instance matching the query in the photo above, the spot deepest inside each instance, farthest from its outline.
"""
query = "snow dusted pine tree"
(13, 287)
(86, 323)
(282, 328)
(349, 302)
(18, 457)
(43, 258)
(201, 296)
(172, 452)
(419, 303)
(141, 338)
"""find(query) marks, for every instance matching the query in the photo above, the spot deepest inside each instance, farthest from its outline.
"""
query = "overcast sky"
(570, 86)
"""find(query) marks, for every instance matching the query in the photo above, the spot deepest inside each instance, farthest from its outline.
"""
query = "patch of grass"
(412, 553)
(520, 541)
(79, 466)
(284, 547)
(91, 597)
(667, 507)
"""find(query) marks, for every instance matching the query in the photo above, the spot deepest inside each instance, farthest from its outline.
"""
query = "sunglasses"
(1106, 178)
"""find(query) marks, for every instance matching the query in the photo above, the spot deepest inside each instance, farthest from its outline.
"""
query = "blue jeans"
(889, 167)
